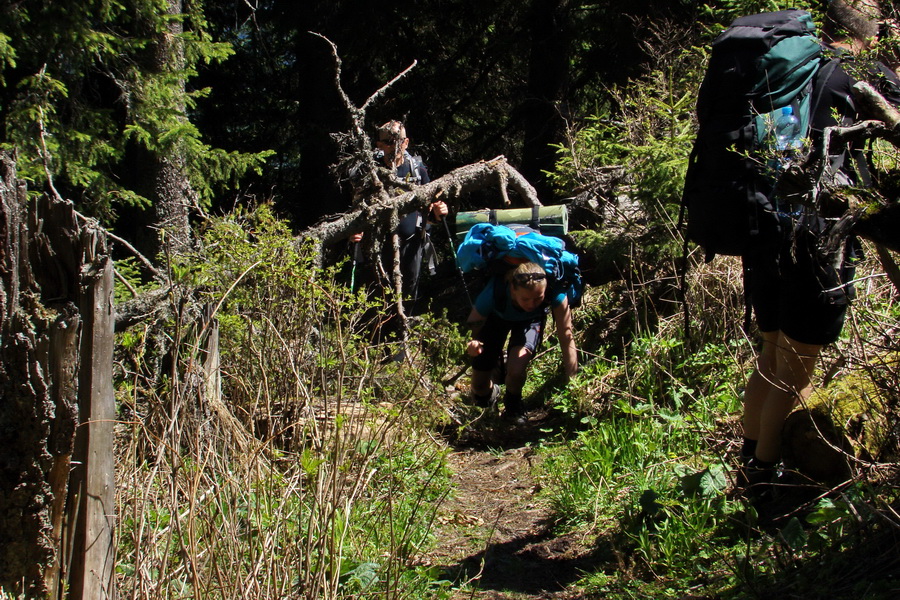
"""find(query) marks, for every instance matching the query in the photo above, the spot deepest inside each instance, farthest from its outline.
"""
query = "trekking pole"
(353, 269)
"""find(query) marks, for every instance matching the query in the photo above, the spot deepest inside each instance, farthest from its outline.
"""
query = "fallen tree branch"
(458, 182)
(359, 142)
(889, 264)
(873, 105)
(857, 211)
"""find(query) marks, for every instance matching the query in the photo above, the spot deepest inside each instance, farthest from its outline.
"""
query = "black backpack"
(758, 65)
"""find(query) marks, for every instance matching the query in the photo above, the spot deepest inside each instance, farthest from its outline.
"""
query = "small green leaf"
(793, 534)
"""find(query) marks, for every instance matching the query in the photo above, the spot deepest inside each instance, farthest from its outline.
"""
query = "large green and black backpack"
(759, 65)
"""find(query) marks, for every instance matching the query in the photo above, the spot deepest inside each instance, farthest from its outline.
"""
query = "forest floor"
(494, 530)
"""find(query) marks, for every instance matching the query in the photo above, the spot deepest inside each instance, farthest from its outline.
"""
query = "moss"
(859, 406)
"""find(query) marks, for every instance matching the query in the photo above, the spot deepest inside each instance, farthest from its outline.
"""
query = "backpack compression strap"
(535, 218)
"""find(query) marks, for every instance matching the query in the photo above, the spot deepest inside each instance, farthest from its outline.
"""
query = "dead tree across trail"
(384, 214)
(464, 180)
(381, 200)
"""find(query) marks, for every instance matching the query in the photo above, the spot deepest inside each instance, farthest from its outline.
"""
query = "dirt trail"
(495, 530)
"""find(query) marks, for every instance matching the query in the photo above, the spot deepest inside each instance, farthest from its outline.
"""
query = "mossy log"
(817, 449)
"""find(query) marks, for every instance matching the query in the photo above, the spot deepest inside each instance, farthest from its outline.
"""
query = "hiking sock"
(748, 448)
(513, 402)
(514, 408)
(498, 374)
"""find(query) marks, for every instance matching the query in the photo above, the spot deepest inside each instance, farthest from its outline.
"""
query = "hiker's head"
(391, 138)
(853, 24)
(528, 285)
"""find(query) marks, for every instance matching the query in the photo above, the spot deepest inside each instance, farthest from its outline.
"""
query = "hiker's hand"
(474, 348)
(356, 237)
(439, 210)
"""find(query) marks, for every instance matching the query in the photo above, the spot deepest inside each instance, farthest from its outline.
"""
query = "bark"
(465, 180)
(91, 510)
(173, 195)
(155, 305)
(48, 263)
(26, 406)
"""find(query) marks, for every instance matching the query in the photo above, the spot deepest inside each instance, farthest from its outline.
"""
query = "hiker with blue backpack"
(515, 306)
(765, 71)
(531, 275)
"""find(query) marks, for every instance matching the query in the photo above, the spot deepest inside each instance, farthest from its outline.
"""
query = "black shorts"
(795, 290)
(527, 334)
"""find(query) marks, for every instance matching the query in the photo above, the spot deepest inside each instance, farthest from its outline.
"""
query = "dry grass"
(276, 480)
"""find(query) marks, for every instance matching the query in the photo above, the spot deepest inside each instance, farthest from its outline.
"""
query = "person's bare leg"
(759, 384)
(517, 369)
(795, 364)
(516, 372)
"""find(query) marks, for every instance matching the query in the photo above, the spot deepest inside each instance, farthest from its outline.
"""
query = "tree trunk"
(91, 506)
(173, 195)
(457, 183)
(26, 409)
(56, 339)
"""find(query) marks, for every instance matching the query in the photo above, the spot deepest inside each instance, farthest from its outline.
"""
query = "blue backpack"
(501, 247)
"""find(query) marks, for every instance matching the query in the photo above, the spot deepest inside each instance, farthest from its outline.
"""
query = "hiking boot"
(758, 477)
(514, 411)
(487, 400)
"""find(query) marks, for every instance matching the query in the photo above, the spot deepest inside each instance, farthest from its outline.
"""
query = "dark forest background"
(257, 99)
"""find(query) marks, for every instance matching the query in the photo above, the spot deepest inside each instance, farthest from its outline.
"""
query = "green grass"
(649, 470)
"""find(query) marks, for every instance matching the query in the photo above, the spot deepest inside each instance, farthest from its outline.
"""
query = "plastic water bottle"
(787, 142)
(787, 130)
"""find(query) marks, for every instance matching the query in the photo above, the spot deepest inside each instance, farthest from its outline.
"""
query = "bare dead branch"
(380, 91)
(458, 182)
(144, 260)
(359, 140)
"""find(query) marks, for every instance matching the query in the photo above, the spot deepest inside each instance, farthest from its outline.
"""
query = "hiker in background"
(414, 228)
(799, 297)
(515, 305)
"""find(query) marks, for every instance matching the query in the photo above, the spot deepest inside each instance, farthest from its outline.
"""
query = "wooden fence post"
(92, 483)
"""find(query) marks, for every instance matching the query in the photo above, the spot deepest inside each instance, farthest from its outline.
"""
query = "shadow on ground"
(535, 563)
(496, 531)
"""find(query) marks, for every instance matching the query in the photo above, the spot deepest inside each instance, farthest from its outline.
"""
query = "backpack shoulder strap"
(821, 83)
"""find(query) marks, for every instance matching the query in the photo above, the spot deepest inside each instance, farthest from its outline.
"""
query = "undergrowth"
(281, 452)
(651, 469)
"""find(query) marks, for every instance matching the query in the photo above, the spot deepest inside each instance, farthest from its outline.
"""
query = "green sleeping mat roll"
(549, 220)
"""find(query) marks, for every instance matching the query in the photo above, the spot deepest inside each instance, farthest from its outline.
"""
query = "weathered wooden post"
(57, 407)
(92, 485)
